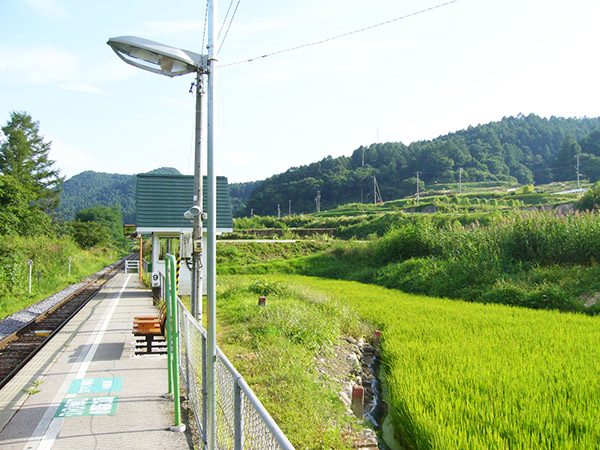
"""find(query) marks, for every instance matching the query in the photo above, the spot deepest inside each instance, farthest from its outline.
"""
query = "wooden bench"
(152, 330)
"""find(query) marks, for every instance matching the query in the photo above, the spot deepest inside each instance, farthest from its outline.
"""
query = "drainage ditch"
(366, 360)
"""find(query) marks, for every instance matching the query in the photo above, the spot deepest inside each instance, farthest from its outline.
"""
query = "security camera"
(192, 212)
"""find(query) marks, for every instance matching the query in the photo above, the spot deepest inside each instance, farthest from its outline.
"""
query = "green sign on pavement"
(87, 406)
(95, 385)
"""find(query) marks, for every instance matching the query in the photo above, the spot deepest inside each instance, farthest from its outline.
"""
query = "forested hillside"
(240, 193)
(521, 149)
(89, 189)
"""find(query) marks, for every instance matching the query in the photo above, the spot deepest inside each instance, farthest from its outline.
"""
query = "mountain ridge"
(517, 149)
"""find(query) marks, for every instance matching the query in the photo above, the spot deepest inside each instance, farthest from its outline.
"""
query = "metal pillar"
(196, 297)
(141, 260)
(211, 236)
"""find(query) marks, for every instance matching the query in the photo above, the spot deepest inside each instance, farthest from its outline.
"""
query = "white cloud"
(37, 65)
(174, 26)
(52, 65)
(49, 8)
(71, 160)
(81, 87)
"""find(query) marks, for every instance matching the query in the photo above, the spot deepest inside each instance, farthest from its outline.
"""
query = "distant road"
(261, 241)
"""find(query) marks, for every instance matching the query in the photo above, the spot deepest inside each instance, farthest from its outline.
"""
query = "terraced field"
(470, 376)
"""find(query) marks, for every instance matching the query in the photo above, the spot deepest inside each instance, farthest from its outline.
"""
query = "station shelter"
(160, 203)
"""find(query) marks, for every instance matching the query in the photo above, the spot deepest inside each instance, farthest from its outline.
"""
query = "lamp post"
(170, 61)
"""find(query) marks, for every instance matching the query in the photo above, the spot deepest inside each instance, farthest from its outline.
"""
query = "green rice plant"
(475, 376)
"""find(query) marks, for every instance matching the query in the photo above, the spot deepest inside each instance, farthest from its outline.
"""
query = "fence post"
(178, 426)
(166, 286)
(238, 420)
(358, 401)
(30, 262)
(178, 270)
(204, 392)
(187, 356)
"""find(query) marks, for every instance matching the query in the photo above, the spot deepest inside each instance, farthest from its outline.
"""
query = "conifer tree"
(24, 155)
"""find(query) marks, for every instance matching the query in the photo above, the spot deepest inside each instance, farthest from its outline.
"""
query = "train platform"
(86, 389)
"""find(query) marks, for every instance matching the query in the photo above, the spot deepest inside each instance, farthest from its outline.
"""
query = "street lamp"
(171, 61)
(156, 57)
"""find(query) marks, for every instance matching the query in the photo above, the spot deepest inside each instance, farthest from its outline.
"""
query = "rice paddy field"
(477, 376)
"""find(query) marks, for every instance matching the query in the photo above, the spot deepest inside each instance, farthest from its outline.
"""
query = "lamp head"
(194, 211)
(155, 57)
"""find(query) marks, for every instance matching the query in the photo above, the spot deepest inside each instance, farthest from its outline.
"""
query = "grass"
(460, 375)
(247, 252)
(50, 257)
(530, 259)
(276, 349)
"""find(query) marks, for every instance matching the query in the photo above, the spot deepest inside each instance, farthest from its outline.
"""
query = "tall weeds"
(504, 261)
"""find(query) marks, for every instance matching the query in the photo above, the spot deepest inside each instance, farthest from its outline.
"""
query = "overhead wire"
(339, 36)
(225, 20)
(205, 24)
(228, 26)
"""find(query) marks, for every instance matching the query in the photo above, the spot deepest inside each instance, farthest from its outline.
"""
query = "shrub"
(262, 287)
(90, 234)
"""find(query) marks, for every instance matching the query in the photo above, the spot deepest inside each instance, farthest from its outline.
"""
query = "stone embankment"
(353, 367)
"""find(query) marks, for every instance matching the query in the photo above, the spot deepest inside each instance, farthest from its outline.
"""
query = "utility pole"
(318, 201)
(377, 198)
(278, 211)
(289, 207)
(196, 297)
(460, 171)
(577, 168)
(374, 190)
(418, 187)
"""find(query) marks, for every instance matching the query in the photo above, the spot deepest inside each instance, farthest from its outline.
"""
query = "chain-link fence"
(242, 422)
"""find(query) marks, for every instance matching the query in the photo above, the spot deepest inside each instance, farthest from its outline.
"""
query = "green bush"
(50, 258)
(262, 287)
(90, 234)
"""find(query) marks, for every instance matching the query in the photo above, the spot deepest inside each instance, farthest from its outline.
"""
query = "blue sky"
(470, 62)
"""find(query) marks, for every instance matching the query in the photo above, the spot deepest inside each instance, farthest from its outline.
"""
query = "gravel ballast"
(12, 323)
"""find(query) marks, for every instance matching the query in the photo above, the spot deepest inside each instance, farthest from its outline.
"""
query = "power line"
(228, 26)
(339, 36)
(224, 20)
(205, 24)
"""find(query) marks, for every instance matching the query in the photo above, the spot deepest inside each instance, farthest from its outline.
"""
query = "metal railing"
(132, 264)
(242, 422)
(163, 286)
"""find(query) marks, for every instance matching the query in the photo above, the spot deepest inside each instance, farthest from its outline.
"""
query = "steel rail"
(28, 329)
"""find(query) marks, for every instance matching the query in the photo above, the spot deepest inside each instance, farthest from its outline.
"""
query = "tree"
(590, 201)
(24, 156)
(90, 234)
(110, 217)
(564, 163)
(18, 216)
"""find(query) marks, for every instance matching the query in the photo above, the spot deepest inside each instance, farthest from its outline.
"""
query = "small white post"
(30, 262)
(70, 265)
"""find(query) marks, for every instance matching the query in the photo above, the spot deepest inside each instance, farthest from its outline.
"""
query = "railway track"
(19, 347)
